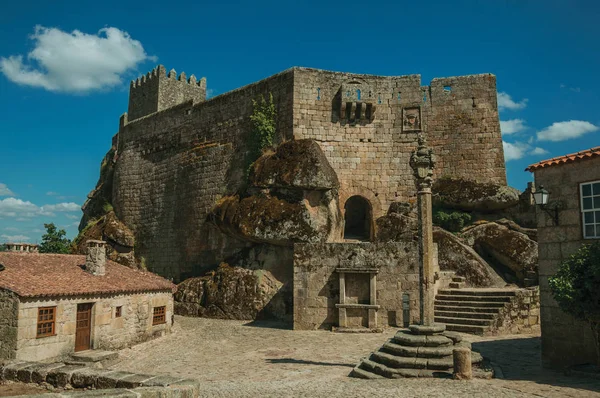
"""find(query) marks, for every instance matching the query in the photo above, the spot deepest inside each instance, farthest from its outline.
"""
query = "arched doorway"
(357, 217)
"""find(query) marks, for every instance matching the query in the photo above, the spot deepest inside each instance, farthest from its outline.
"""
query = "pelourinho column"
(422, 162)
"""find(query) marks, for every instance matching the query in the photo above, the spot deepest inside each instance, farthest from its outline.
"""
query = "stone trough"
(420, 351)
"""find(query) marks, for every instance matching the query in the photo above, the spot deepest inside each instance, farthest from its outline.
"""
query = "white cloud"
(515, 150)
(506, 102)
(72, 216)
(51, 193)
(539, 151)
(62, 207)
(12, 207)
(561, 131)
(11, 229)
(23, 210)
(75, 61)
(15, 238)
(512, 126)
(4, 191)
(574, 89)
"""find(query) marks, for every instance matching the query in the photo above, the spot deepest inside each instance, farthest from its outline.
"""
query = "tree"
(576, 287)
(54, 240)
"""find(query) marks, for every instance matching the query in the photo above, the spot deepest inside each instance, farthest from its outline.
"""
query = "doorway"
(83, 329)
(357, 217)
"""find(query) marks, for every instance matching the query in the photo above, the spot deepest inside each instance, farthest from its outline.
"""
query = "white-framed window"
(590, 209)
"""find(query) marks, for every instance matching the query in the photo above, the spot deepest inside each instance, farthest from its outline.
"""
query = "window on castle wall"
(590, 209)
(358, 218)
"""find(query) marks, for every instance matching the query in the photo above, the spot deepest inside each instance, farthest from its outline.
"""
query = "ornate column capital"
(422, 161)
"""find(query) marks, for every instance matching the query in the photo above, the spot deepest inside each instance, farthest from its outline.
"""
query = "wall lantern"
(540, 197)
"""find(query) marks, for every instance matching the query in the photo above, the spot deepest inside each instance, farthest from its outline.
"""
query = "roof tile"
(588, 153)
(35, 275)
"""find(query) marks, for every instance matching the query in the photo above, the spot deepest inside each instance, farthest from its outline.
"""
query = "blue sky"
(60, 102)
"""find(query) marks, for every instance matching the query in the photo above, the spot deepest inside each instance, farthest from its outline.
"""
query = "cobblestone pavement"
(238, 359)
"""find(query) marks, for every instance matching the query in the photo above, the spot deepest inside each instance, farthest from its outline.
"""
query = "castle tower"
(158, 90)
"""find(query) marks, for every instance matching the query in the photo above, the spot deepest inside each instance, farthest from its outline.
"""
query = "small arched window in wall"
(358, 216)
(318, 93)
(358, 94)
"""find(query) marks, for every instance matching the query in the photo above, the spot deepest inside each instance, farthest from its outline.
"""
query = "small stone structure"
(573, 182)
(420, 351)
(355, 286)
(54, 304)
(22, 247)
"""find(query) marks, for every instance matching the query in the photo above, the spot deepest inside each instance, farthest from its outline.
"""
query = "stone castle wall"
(108, 332)
(371, 155)
(174, 165)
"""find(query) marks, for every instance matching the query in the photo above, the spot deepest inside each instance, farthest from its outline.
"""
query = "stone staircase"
(472, 310)
(421, 351)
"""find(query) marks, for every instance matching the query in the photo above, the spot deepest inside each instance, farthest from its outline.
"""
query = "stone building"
(573, 183)
(177, 154)
(52, 305)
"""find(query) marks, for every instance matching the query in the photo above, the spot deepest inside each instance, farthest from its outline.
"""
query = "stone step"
(94, 356)
(392, 361)
(464, 321)
(459, 279)
(420, 352)
(405, 338)
(478, 292)
(472, 329)
(457, 285)
(460, 314)
(465, 309)
(457, 297)
(364, 374)
(396, 373)
(496, 304)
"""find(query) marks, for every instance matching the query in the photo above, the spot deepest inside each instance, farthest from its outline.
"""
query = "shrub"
(451, 220)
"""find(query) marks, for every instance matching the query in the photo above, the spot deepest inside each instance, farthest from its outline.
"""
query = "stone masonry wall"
(371, 155)
(108, 332)
(317, 290)
(9, 308)
(174, 166)
(521, 315)
(565, 340)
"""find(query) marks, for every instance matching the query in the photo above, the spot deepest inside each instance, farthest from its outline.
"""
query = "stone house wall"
(565, 340)
(317, 288)
(175, 164)
(107, 331)
(9, 308)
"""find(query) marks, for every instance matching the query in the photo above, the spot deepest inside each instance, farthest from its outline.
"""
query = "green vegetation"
(451, 220)
(54, 240)
(107, 207)
(2, 247)
(263, 131)
(576, 287)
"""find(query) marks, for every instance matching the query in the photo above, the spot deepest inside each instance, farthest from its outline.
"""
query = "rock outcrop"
(506, 247)
(119, 239)
(397, 225)
(470, 195)
(232, 293)
(293, 199)
(99, 199)
(299, 164)
(455, 255)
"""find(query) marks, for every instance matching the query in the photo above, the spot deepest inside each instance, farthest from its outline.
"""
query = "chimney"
(95, 261)
(22, 247)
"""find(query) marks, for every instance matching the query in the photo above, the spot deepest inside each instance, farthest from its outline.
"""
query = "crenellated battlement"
(158, 90)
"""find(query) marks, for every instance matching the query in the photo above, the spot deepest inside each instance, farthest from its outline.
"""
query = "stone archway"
(358, 218)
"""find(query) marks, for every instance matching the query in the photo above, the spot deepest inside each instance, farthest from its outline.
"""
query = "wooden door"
(83, 329)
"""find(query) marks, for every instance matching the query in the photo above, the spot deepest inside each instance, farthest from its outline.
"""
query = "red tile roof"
(588, 153)
(35, 275)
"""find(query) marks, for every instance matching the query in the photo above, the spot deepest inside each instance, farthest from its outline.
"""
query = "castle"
(179, 153)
